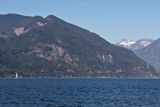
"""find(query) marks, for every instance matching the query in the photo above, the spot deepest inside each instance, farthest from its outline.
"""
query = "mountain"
(151, 54)
(134, 45)
(35, 46)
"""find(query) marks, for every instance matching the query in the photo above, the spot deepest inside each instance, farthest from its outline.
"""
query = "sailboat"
(16, 76)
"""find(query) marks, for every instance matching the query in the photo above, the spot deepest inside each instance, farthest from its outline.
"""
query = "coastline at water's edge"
(60, 74)
(48, 77)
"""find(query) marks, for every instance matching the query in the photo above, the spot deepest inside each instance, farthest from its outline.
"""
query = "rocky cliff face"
(36, 44)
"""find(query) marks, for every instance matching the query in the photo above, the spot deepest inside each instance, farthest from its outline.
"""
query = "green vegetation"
(60, 48)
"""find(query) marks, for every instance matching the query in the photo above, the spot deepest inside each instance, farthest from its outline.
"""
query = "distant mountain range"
(151, 54)
(37, 46)
(147, 49)
(134, 45)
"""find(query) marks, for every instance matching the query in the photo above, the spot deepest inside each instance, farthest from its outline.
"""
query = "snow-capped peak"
(135, 45)
(145, 42)
(126, 43)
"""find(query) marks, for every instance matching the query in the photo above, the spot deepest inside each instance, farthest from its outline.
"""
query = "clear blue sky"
(111, 19)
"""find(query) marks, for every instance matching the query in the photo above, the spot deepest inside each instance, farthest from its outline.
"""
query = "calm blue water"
(79, 92)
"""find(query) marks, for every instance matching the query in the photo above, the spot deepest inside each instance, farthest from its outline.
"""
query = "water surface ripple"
(79, 92)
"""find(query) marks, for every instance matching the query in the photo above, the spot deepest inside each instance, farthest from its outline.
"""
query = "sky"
(111, 19)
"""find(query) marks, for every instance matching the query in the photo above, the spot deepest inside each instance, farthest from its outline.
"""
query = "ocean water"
(79, 92)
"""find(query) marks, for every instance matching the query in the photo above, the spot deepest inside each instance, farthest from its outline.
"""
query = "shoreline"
(47, 77)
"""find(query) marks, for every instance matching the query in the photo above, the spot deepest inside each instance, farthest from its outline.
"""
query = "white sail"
(16, 76)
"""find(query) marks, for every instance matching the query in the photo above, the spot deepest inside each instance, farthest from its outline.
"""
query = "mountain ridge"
(151, 54)
(37, 44)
